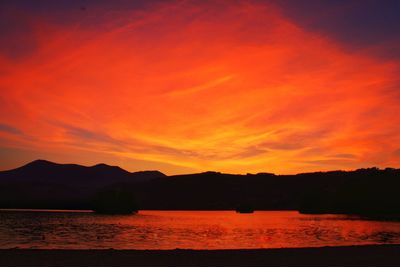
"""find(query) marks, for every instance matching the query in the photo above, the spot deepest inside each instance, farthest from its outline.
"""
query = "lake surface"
(189, 230)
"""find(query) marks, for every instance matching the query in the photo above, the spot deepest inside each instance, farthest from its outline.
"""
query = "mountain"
(43, 184)
(46, 184)
(97, 175)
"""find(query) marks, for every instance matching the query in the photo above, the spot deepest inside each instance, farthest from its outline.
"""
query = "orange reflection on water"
(190, 230)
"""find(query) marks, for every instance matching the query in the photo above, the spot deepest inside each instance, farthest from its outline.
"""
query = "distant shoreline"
(368, 255)
(378, 217)
(165, 210)
(48, 210)
(109, 189)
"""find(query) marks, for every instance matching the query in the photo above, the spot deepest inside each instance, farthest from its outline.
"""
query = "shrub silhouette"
(245, 208)
(114, 201)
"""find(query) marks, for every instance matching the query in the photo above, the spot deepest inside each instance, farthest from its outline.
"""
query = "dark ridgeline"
(42, 184)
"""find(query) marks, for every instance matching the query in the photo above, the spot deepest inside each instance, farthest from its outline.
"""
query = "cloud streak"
(9, 129)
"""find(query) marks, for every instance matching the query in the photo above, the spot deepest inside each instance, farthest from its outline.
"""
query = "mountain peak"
(40, 162)
(105, 168)
(102, 165)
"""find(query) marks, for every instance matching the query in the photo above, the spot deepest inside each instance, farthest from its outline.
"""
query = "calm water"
(187, 229)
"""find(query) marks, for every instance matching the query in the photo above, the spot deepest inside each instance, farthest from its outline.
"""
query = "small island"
(244, 209)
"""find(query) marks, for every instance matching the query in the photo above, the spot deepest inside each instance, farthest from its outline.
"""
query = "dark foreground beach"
(374, 255)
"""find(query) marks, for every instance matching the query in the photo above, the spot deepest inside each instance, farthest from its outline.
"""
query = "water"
(189, 230)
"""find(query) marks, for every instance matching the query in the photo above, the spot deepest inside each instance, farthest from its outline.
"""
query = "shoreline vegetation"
(368, 255)
(369, 217)
(114, 201)
(387, 217)
(108, 189)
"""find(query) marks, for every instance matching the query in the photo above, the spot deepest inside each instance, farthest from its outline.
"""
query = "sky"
(191, 86)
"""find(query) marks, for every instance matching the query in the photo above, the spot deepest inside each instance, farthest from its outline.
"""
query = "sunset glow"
(187, 87)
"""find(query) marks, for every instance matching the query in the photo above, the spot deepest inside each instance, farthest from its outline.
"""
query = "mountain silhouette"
(46, 184)
(98, 175)
(43, 184)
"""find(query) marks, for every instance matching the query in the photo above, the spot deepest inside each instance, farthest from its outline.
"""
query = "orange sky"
(187, 87)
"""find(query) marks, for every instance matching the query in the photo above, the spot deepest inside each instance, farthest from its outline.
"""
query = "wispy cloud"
(10, 129)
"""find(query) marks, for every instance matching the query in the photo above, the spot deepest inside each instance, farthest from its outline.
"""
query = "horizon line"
(200, 172)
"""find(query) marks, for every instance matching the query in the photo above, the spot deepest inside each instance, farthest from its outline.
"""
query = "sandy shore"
(384, 255)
